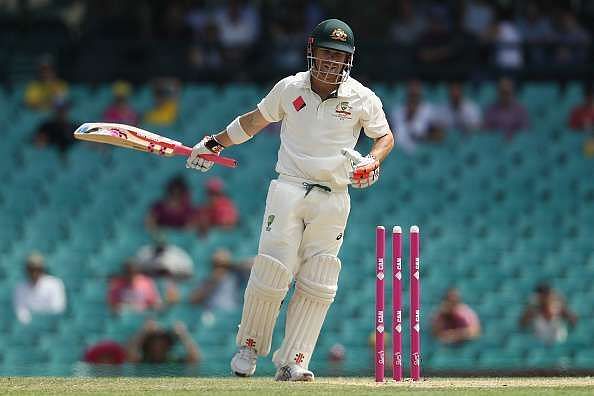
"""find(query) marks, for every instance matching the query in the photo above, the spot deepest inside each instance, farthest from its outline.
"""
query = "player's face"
(329, 65)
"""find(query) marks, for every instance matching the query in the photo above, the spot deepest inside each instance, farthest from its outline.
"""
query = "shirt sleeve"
(58, 297)
(373, 119)
(271, 105)
(20, 306)
(470, 317)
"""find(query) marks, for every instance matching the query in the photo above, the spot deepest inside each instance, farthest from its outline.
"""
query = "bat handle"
(224, 161)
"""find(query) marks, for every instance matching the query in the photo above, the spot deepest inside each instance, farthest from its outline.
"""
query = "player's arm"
(382, 146)
(379, 150)
(245, 126)
(240, 130)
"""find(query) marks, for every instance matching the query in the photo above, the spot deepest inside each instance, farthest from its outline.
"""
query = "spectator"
(174, 210)
(506, 40)
(165, 108)
(459, 113)
(120, 110)
(507, 114)
(478, 15)
(206, 53)
(220, 291)
(547, 315)
(408, 25)
(58, 129)
(536, 31)
(287, 30)
(238, 24)
(572, 40)
(40, 294)
(336, 360)
(154, 345)
(41, 94)
(582, 116)
(197, 19)
(105, 352)
(415, 121)
(437, 43)
(164, 259)
(219, 210)
(455, 322)
(133, 291)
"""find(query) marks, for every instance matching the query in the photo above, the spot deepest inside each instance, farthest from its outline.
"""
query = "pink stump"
(415, 305)
(397, 303)
(380, 251)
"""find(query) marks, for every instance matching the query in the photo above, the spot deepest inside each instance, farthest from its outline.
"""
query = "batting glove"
(208, 145)
(365, 171)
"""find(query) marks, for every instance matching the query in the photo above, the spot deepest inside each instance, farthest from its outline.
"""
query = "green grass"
(323, 386)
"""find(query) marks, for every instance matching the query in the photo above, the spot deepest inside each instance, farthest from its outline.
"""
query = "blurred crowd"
(246, 35)
(415, 120)
(147, 285)
(136, 290)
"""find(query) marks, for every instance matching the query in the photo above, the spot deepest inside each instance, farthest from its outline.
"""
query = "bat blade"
(139, 139)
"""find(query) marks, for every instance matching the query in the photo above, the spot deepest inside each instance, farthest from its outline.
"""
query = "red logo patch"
(298, 103)
(250, 342)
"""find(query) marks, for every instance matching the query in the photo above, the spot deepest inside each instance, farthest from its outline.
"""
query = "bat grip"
(224, 161)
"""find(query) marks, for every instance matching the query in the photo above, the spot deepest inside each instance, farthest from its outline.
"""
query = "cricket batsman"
(322, 111)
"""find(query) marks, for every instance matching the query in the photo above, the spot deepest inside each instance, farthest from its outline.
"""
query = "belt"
(310, 184)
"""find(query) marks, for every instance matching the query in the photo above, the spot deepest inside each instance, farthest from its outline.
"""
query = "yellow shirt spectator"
(164, 113)
(40, 95)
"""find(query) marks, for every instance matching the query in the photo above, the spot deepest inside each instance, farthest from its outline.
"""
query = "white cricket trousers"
(299, 225)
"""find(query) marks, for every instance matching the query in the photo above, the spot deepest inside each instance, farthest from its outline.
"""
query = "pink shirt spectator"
(139, 294)
(461, 317)
(510, 118)
(173, 216)
(121, 114)
(223, 212)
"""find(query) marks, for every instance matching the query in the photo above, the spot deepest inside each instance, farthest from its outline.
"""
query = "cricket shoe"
(243, 363)
(293, 372)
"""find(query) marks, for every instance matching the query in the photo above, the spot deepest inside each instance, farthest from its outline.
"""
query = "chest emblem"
(298, 103)
(343, 111)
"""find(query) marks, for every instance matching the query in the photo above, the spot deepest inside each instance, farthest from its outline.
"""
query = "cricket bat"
(138, 139)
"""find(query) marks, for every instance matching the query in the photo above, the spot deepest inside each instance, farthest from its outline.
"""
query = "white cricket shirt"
(314, 131)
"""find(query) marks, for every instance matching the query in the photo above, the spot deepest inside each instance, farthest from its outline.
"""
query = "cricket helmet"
(336, 35)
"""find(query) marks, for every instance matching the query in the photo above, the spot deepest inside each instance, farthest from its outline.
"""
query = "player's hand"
(365, 169)
(195, 161)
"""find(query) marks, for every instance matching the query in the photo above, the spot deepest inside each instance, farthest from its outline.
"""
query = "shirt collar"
(344, 89)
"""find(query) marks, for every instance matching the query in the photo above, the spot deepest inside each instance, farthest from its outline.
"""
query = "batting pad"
(268, 285)
(314, 292)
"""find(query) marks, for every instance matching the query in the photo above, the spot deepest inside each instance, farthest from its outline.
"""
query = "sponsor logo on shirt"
(298, 103)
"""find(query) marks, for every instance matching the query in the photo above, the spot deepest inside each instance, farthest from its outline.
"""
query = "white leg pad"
(265, 291)
(315, 290)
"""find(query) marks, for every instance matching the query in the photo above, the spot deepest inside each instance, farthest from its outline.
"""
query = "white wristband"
(236, 132)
